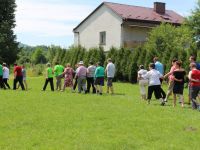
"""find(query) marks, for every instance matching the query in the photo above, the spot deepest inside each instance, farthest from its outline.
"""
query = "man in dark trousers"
(18, 77)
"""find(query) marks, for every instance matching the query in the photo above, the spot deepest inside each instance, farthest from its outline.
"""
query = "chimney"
(159, 7)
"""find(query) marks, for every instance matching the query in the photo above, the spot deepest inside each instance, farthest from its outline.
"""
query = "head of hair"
(57, 63)
(174, 60)
(193, 65)
(109, 60)
(48, 65)
(4, 64)
(178, 63)
(193, 58)
(91, 62)
(155, 59)
(141, 67)
(152, 65)
(68, 65)
(99, 64)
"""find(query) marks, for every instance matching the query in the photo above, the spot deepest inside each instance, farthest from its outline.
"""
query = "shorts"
(99, 81)
(110, 82)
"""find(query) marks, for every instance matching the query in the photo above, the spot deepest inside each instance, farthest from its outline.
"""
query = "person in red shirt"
(194, 78)
(18, 77)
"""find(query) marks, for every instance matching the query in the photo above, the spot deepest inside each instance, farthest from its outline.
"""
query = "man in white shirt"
(5, 75)
(110, 72)
(154, 83)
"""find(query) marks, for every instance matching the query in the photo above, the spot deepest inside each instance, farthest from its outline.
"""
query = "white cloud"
(48, 19)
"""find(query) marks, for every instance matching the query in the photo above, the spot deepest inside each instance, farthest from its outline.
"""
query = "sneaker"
(162, 104)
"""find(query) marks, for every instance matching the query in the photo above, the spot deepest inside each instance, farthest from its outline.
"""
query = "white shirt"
(110, 69)
(142, 72)
(5, 73)
(153, 76)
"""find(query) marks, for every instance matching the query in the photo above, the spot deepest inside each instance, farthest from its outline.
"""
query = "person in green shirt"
(1, 78)
(58, 72)
(99, 78)
(49, 77)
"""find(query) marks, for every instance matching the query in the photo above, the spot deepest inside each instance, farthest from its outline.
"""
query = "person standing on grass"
(99, 78)
(154, 84)
(1, 77)
(49, 77)
(194, 78)
(18, 77)
(192, 59)
(24, 76)
(90, 77)
(5, 75)
(142, 82)
(159, 67)
(58, 72)
(81, 75)
(68, 75)
(170, 79)
(179, 74)
(110, 72)
(75, 77)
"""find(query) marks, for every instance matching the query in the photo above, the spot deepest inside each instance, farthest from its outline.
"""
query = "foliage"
(168, 42)
(38, 56)
(8, 44)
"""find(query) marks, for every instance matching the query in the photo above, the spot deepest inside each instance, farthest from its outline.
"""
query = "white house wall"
(102, 20)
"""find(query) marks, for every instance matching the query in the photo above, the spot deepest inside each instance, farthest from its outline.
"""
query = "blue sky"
(47, 22)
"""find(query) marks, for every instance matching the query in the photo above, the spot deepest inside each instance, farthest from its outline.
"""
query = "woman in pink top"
(68, 74)
(171, 79)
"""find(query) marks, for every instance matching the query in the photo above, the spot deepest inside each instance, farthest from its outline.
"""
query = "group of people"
(19, 77)
(93, 75)
(176, 79)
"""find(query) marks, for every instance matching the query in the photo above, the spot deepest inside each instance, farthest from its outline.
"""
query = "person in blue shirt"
(158, 65)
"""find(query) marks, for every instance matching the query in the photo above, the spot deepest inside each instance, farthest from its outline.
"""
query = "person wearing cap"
(142, 82)
(90, 77)
(18, 77)
(1, 77)
(194, 78)
(110, 72)
(99, 78)
(6, 75)
(49, 77)
(81, 77)
(58, 72)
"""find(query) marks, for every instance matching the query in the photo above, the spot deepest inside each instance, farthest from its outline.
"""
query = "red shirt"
(195, 75)
(18, 71)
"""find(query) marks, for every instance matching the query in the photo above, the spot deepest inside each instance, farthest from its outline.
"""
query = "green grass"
(35, 120)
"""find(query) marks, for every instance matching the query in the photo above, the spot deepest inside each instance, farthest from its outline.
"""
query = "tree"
(168, 42)
(38, 57)
(8, 44)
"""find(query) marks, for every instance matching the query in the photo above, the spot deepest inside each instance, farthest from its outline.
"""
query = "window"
(102, 38)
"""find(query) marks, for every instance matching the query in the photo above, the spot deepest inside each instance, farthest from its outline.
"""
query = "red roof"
(144, 13)
(138, 13)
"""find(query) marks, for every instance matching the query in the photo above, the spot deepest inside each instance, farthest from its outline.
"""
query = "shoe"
(162, 104)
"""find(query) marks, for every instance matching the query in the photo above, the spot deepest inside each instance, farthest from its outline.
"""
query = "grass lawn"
(69, 121)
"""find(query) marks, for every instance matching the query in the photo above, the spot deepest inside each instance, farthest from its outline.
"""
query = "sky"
(50, 22)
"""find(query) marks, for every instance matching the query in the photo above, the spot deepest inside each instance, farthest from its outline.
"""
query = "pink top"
(81, 71)
(171, 77)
